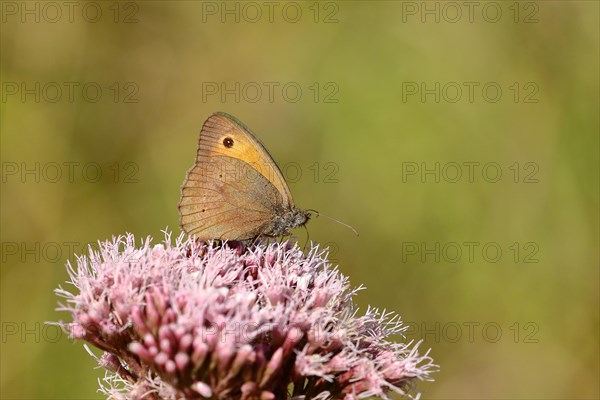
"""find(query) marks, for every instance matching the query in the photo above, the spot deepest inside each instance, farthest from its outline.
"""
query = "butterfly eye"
(228, 142)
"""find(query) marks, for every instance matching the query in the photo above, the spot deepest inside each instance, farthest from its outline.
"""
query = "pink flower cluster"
(224, 321)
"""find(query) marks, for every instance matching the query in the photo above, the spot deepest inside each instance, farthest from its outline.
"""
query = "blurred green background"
(122, 89)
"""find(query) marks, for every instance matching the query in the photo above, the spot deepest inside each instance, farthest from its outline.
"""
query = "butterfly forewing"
(222, 134)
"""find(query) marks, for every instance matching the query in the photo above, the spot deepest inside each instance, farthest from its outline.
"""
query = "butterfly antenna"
(318, 214)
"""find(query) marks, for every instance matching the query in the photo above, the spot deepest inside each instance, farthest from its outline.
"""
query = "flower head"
(210, 320)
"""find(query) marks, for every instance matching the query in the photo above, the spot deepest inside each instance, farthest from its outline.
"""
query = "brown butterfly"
(235, 191)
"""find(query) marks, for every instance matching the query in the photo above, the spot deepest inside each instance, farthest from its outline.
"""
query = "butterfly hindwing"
(224, 199)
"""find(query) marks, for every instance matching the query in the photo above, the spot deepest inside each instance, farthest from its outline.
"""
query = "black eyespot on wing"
(228, 142)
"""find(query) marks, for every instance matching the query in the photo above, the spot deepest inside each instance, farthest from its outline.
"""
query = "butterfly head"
(283, 223)
(300, 217)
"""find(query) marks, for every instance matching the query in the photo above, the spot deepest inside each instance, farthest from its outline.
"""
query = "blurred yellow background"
(460, 140)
